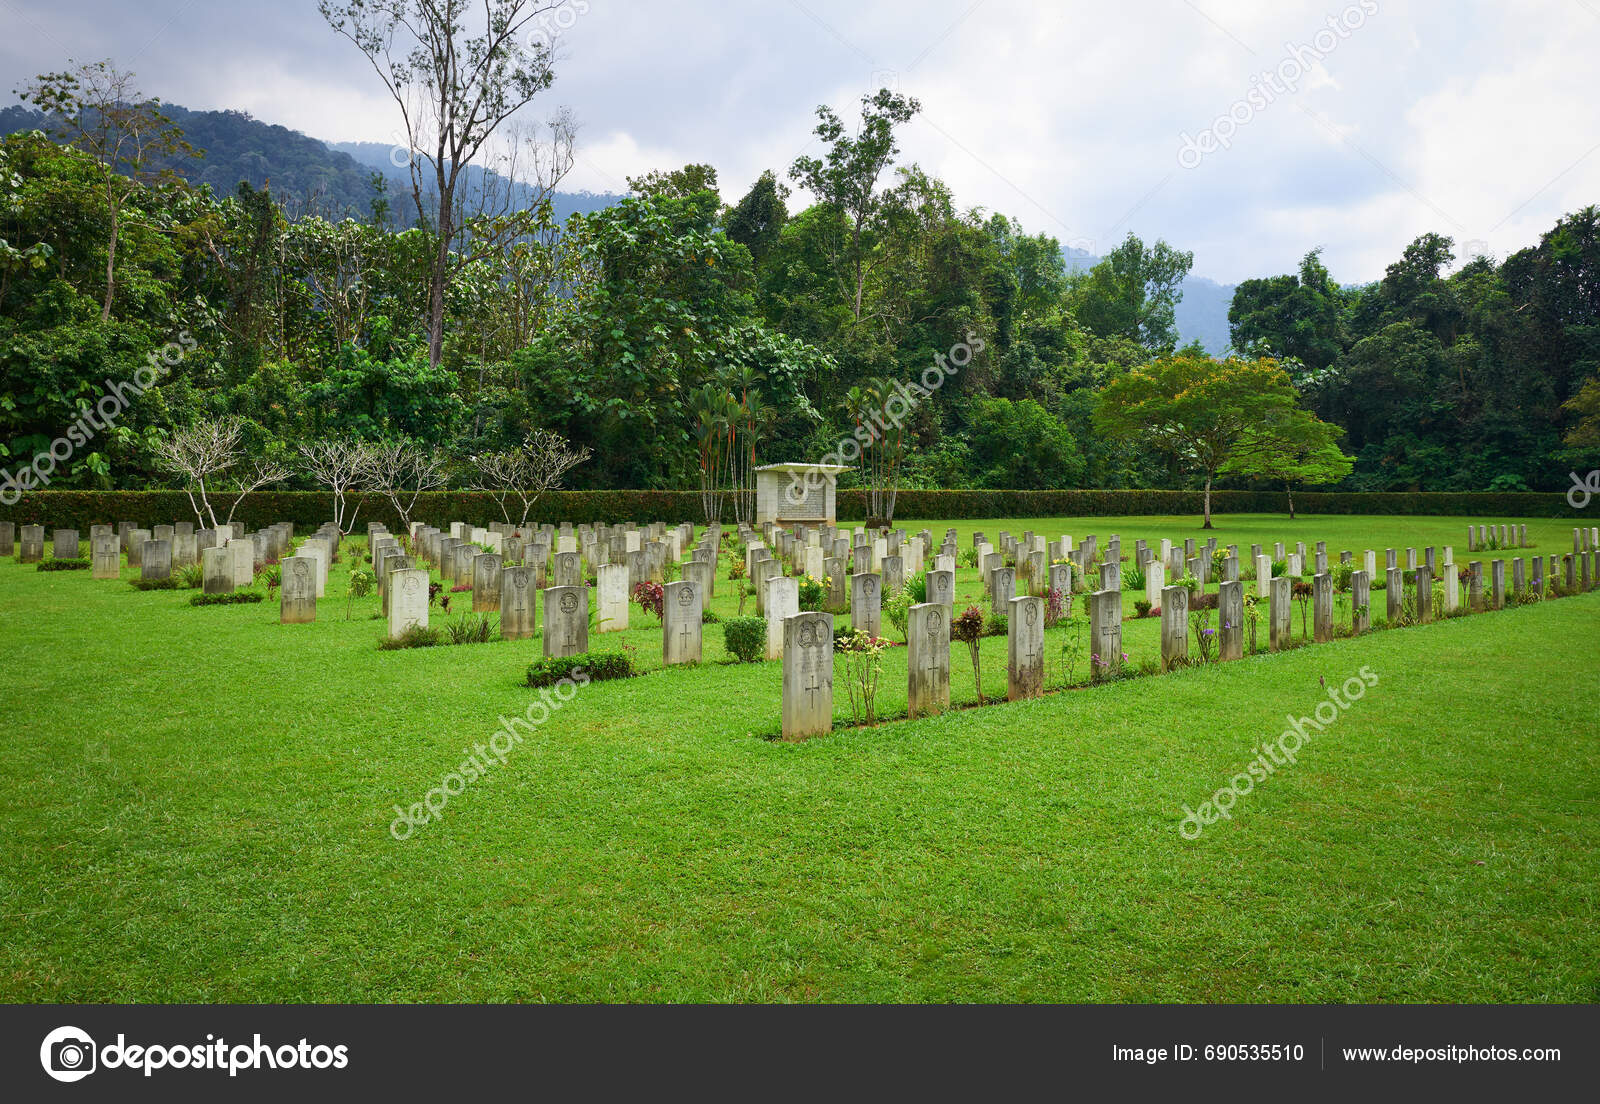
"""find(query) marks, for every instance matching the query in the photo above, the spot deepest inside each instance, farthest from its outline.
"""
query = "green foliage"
(231, 598)
(413, 636)
(63, 565)
(472, 628)
(898, 610)
(157, 584)
(587, 666)
(745, 638)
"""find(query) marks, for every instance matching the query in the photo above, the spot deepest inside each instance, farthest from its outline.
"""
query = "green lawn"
(198, 804)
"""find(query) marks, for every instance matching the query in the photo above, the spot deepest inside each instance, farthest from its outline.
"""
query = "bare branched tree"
(343, 465)
(538, 465)
(402, 471)
(209, 457)
(99, 109)
(454, 87)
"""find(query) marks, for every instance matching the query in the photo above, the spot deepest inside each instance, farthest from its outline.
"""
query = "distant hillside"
(1202, 312)
(379, 157)
(305, 172)
(302, 171)
(335, 179)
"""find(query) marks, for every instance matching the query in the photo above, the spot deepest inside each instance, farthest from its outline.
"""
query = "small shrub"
(272, 575)
(417, 636)
(996, 625)
(813, 592)
(863, 666)
(154, 584)
(1133, 579)
(473, 628)
(1141, 607)
(968, 627)
(917, 587)
(709, 617)
(898, 610)
(651, 597)
(234, 598)
(191, 576)
(1205, 601)
(745, 638)
(63, 565)
(584, 668)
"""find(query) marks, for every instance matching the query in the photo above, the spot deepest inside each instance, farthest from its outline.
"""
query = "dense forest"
(678, 325)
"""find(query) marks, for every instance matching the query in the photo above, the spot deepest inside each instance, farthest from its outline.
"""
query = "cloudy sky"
(1248, 132)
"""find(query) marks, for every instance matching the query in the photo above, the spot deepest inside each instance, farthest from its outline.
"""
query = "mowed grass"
(198, 801)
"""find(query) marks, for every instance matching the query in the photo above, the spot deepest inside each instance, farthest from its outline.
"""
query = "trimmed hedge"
(308, 509)
(594, 666)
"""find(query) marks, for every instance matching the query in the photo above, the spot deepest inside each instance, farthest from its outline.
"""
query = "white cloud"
(1472, 119)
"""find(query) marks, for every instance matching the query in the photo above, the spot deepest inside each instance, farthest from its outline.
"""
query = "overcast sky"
(1476, 120)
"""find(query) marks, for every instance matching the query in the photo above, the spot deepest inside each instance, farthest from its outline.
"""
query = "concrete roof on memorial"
(824, 468)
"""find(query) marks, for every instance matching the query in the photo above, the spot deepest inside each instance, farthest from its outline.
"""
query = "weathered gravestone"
(702, 574)
(105, 560)
(1278, 614)
(942, 590)
(486, 568)
(568, 570)
(8, 538)
(1105, 633)
(680, 623)
(244, 561)
(517, 588)
(1024, 647)
(1230, 617)
(1394, 595)
(1174, 627)
(782, 600)
(807, 676)
(136, 539)
(216, 571)
(1002, 587)
(64, 544)
(1322, 607)
(866, 604)
(1360, 602)
(1155, 581)
(408, 600)
(894, 574)
(928, 659)
(156, 561)
(298, 591)
(566, 621)
(611, 597)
